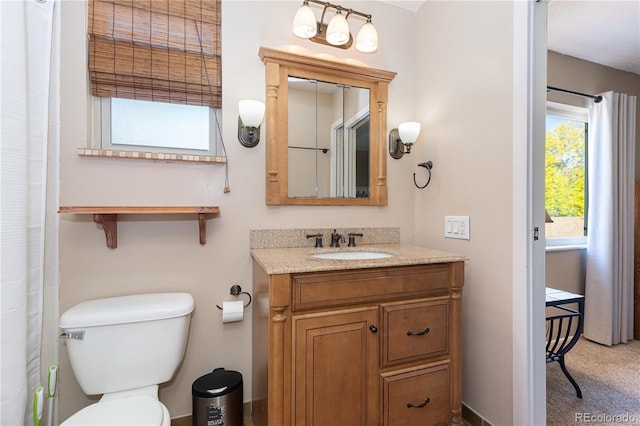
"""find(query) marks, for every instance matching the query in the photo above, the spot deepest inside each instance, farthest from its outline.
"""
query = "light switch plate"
(456, 227)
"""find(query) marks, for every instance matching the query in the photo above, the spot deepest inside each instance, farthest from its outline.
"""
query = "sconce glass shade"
(409, 131)
(338, 30)
(367, 40)
(304, 23)
(251, 112)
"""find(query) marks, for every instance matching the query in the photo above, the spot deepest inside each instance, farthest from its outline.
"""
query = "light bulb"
(367, 40)
(304, 23)
(338, 30)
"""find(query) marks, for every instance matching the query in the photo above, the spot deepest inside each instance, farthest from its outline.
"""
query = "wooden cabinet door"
(335, 363)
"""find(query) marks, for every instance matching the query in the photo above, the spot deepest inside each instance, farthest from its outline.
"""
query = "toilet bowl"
(150, 334)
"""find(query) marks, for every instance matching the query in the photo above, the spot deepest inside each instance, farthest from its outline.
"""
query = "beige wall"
(163, 254)
(566, 270)
(464, 57)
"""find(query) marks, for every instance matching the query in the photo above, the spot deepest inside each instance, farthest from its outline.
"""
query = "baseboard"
(188, 421)
(468, 415)
(473, 418)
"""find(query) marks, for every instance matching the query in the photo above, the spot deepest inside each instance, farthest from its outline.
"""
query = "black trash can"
(217, 399)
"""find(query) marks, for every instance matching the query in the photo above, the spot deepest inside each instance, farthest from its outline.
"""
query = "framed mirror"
(325, 131)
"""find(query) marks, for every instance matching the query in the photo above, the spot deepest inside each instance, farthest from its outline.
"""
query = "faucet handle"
(318, 238)
(352, 238)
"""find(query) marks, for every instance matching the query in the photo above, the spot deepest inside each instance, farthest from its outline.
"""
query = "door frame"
(529, 97)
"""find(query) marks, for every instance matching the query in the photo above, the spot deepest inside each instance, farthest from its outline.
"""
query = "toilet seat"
(131, 410)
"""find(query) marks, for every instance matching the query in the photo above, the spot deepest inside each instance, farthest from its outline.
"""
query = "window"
(131, 125)
(156, 80)
(566, 201)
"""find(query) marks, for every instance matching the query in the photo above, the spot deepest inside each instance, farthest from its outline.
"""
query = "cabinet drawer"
(326, 289)
(418, 397)
(413, 331)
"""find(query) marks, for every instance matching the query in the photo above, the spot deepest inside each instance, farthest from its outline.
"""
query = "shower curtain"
(28, 223)
(609, 286)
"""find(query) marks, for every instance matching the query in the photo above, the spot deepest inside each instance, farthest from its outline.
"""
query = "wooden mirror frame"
(279, 65)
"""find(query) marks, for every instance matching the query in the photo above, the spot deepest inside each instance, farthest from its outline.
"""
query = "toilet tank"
(127, 342)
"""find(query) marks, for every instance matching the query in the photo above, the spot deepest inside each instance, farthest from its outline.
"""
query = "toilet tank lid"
(127, 309)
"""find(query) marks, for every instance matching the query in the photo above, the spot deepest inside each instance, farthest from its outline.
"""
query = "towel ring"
(427, 165)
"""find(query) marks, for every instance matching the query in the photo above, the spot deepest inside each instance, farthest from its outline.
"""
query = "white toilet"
(124, 347)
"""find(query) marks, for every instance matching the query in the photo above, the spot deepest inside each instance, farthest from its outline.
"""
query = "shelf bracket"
(202, 223)
(109, 223)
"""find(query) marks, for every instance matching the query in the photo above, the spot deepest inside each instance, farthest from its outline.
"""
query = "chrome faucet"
(336, 238)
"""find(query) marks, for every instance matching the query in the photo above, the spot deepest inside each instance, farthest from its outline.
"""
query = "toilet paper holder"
(236, 290)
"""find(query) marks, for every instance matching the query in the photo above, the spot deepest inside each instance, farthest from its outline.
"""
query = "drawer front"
(419, 397)
(414, 331)
(342, 288)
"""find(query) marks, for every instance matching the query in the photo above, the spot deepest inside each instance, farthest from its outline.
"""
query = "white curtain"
(609, 287)
(26, 30)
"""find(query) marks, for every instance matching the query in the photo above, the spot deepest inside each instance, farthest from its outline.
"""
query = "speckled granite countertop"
(297, 259)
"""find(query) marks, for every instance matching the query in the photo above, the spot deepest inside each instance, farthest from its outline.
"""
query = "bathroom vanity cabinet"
(362, 346)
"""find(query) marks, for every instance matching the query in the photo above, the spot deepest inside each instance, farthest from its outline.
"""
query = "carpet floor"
(610, 381)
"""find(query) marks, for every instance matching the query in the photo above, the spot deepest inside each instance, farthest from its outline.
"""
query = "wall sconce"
(336, 33)
(250, 117)
(402, 138)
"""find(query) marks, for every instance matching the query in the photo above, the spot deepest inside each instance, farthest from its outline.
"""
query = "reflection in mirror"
(328, 138)
(329, 151)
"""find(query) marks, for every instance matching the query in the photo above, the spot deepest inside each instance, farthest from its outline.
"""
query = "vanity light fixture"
(367, 40)
(251, 114)
(336, 33)
(304, 23)
(402, 138)
(338, 30)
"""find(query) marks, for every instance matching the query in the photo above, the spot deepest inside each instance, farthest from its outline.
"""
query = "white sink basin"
(352, 255)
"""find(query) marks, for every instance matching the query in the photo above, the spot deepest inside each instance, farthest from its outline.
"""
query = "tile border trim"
(154, 156)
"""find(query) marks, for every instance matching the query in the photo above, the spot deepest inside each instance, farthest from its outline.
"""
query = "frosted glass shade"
(251, 112)
(409, 131)
(338, 30)
(304, 23)
(367, 40)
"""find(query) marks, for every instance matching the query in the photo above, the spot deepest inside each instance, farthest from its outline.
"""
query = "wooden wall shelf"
(107, 217)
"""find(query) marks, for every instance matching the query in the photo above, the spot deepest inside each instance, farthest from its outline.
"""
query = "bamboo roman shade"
(156, 50)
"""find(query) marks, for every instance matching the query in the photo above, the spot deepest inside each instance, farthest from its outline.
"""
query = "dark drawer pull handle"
(426, 401)
(419, 333)
(373, 329)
